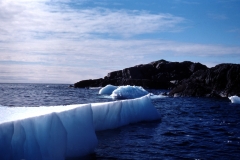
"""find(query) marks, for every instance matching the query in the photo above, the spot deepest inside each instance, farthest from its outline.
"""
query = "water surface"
(190, 128)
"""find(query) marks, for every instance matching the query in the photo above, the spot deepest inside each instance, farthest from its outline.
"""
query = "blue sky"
(64, 41)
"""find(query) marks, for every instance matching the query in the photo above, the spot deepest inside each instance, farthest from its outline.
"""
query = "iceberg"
(61, 132)
(108, 89)
(46, 132)
(235, 99)
(111, 115)
(128, 92)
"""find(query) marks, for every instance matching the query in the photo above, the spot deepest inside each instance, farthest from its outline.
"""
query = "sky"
(65, 41)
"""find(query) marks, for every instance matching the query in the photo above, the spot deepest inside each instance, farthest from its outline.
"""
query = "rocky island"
(181, 78)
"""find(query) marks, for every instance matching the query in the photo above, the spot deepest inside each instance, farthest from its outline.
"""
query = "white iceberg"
(235, 99)
(46, 132)
(128, 92)
(108, 89)
(119, 113)
(65, 131)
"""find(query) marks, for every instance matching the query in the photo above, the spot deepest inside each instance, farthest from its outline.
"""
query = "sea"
(190, 127)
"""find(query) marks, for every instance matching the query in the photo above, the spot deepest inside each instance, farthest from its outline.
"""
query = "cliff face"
(158, 75)
(222, 80)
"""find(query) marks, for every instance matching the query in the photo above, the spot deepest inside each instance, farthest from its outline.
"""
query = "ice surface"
(108, 89)
(128, 92)
(111, 115)
(18, 113)
(235, 99)
(46, 132)
(65, 131)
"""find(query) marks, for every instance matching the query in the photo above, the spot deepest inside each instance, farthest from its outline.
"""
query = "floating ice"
(65, 131)
(128, 92)
(115, 114)
(235, 99)
(153, 96)
(94, 87)
(108, 89)
(46, 132)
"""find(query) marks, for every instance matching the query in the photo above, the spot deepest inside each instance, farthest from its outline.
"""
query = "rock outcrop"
(158, 75)
(222, 80)
(181, 78)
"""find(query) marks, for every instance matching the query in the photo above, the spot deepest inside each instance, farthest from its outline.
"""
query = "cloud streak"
(35, 20)
(218, 16)
(42, 41)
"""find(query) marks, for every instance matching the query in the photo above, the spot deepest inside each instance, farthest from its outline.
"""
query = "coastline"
(181, 78)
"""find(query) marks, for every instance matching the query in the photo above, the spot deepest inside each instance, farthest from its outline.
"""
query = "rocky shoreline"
(181, 78)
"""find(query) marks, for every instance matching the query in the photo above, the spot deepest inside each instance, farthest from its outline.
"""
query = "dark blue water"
(190, 128)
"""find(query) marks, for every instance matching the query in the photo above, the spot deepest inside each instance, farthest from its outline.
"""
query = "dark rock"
(147, 71)
(158, 75)
(114, 75)
(197, 66)
(88, 83)
(132, 73)
(176, 70)
(183, 78)
(145, 83)
(222, 80)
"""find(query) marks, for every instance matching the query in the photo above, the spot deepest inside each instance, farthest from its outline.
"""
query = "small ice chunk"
(128, 92)
(235, 99)
(108, 89)
(153, 96)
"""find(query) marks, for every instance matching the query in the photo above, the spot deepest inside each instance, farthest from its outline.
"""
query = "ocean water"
(190, 128)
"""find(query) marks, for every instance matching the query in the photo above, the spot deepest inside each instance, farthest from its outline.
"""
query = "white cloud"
(65, 52)
(26, 20)
(217, 16)
(94, 58)
(45, 74)
(43, 41)
(235, 30)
